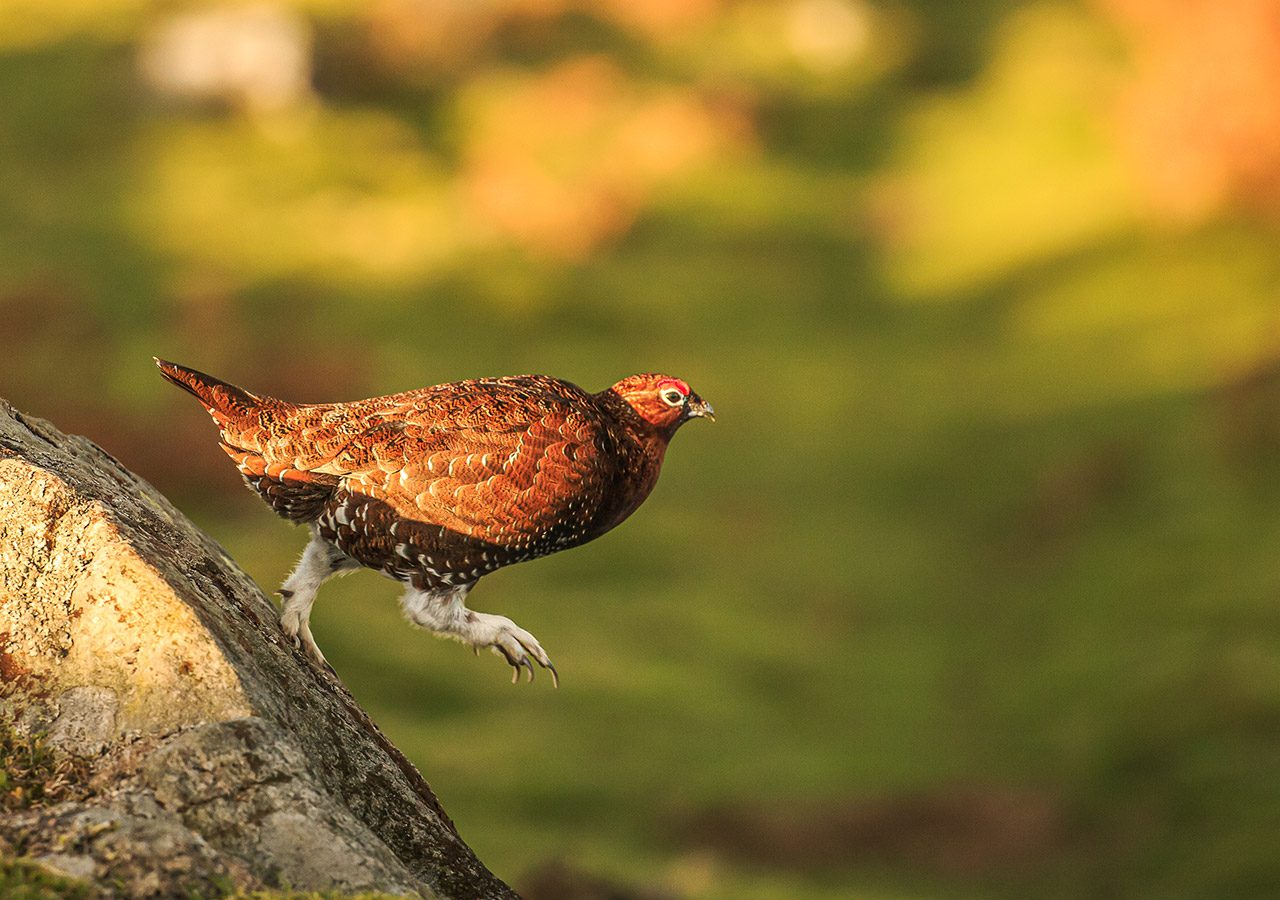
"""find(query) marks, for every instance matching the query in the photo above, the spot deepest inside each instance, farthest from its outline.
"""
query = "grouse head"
(662, 401)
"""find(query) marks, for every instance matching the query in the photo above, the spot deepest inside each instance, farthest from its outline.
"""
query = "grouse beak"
(696, 407)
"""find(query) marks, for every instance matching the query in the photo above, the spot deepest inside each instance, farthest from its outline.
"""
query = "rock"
(218, 757)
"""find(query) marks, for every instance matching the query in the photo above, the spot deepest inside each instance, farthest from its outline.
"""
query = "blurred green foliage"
(22, 881)
(971, 591)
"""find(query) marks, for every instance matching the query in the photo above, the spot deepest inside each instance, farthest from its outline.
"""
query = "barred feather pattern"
(440, 486)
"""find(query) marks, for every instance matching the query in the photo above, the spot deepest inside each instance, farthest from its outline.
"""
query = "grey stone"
(220, 758)
(86, 720)
(68, 865)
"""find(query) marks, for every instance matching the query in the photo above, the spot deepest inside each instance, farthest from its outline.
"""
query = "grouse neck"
(637, 449)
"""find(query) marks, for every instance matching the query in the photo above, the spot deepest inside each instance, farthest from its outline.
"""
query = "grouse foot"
(518, 647)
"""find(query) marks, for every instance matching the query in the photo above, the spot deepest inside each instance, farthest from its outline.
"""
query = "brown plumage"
(437, 487)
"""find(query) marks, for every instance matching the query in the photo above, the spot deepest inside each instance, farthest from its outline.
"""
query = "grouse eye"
(672, 397)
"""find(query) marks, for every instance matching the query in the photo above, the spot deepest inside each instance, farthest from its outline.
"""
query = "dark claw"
(283, 594)
(524, 661)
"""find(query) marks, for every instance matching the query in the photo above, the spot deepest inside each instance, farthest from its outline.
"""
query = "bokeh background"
(974, 588)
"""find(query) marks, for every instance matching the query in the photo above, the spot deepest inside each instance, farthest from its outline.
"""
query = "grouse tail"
(225, 402)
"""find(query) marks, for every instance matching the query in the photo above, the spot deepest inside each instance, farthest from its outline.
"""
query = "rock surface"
(219, 758)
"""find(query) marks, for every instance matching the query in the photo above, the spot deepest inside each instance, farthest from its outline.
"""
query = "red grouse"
(440, 486)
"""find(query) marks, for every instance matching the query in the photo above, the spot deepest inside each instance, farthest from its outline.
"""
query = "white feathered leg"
(320, 561)
(445, 613)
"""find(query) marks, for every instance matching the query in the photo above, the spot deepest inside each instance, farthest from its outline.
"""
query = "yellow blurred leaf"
(1018, 167)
